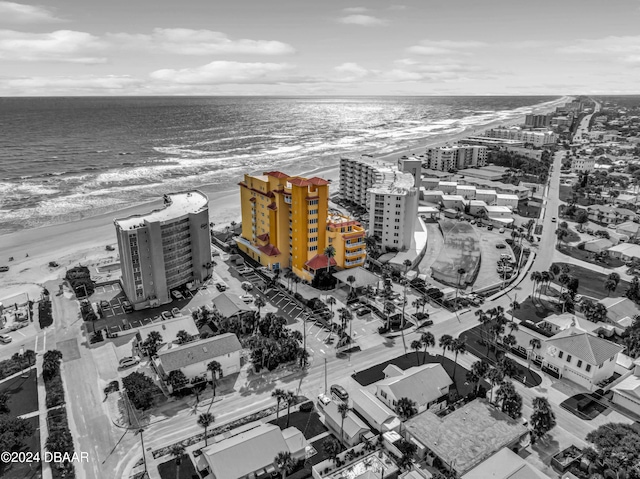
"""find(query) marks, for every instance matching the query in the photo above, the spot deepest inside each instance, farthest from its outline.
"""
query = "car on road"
(501, 230)
(221, 287)
(4, 269)
(177, 294)
(105, 304)
(19, 325)
(166, 315)
(553, 220)
(176, 312)
(5, 338)
(490, 227)
(247, 298)
(363, 311)
(339, 392)
(501, 245)
(128, 361)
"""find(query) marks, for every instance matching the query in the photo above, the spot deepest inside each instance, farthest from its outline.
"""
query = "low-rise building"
(598, 245)
(629, 228)
(249, 451)
(609, 214)
(455, 202)
(536, 138)
(466, 437)
(625, 251)
(456, 157)
(351, 430)
(583, 163)
(510, 201)
(192, 358)
(580, 357)
(426, 385)
(374, 412)
(627, 392)
(168, 330)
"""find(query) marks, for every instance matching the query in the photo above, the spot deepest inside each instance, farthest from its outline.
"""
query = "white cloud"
(363, 20)
(186, 41)
(222, 72)
(351, 72)
(398, 7)
(355, 10)
(623, 49)
(83, 84)
(444, 47)
(11, 12)
(59, 46)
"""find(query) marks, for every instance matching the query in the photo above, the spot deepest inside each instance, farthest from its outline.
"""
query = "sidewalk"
(42, 409)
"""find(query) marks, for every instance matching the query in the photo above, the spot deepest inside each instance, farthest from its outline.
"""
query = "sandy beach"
(84, 241)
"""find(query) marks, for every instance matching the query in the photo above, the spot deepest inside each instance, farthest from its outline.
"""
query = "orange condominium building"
(286, 223)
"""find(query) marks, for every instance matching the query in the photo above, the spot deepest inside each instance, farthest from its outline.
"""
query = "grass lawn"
(529, 211)
(25, 470)
(532, 312)
(592, 282)
(306, 422)
(168, 470)
(590, 257)
(374, 374)
(23, 394)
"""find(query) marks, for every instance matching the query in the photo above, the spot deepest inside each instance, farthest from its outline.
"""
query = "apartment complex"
(537, 121)
(536, 138)
(583, 163)
(286, 224)
(165, 249)
(389, 195)
(457, 157)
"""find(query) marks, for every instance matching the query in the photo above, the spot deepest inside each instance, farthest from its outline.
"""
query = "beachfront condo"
(166, 249)
(456, 157)
(286, 224)
(390, 196)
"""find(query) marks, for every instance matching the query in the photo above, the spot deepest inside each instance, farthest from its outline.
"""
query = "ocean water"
(62, 159)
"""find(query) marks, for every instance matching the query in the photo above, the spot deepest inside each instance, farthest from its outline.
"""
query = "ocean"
(63, 159)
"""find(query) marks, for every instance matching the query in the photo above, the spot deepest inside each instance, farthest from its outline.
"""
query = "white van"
(323, 400)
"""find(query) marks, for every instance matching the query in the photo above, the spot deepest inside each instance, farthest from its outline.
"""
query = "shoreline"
(84, 239)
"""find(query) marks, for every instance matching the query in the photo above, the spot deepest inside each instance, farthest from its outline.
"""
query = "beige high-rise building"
(165, 249)
(456, 157)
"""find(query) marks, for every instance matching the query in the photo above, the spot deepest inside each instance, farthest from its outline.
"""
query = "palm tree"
(279, 395)
(284, 463)
(405, 408)
(535, 344)
(610, 286)
(388, 309)
(480, 369)
(177, 451)
(407, 265)
(445, 343)
(416, 345)
(205, 420)
(215, 368)
(329, 252)
(545, 279)
(535, 277)
(457, 346)
(331, 301)
(428, 340)
(343, 410)
(514, 307)
(495, 376)
(290, 399)
(259, 303)
(484, 320)
(296, 280)
(351, 279)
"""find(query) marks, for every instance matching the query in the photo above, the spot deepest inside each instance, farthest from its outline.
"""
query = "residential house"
(625, 251)
(466, 437)
(620, 313)
(192, 358)
(598, 245)
(351, 430)
(376, 414)
(626, 393)
(609, 214)
(231, 307)
(629, 228)
(505, 464)
(249, 451)
(580, 357)
(427, 386)
(168, 330)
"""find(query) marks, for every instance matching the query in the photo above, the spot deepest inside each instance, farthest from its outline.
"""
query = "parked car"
(323, 400)
(4, 269)
(166, 315)
(489, 228)
(177, 294)
(53, 264)
(129, 361)
(363, 311)
(501, 245)
(5, 338)
(339, 392)
(104, 304)
(176, 312)
(221, 286)
(19, 325)
(553, 220)
(501, 230)
(126, 305)
(247, 298)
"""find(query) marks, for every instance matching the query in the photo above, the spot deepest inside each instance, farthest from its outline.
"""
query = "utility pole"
(325, 376)
(144, 456)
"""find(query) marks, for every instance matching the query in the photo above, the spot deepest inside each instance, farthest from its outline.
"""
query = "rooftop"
(169, 329)
(229, 305)
(178, 357)
(421, 384)
(505, 464)
(583, 345)
(371, 405)
(175, 206)
(468, 435)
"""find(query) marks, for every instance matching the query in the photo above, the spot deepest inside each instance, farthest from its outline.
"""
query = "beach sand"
(84, 241)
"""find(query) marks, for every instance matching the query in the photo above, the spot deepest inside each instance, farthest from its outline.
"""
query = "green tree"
(428, 340)
(510, 399)
(405, 408)
(416, 345)
(542, 419)
(215, 368)
(178, 452)
(205, 420)
(151, 344)
(177, 380)
(284, 463)
(183, 337)
(329, 252)
(140, 389)
(610, 286)
(535, 344)
(4, 399)
(351, 279)
(279, 395)
(457, 346)
(290, 399)
(331, 448)
(15, 432)
(51, 363)
(343, 410)
(495, 376)
(445, 343)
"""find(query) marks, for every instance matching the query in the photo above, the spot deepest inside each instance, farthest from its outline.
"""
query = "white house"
(505, 464)
(192, 358)
(426, 385)
(627, 392)
(351, 430)
(625, 251)
(511, 201)
(379, 416)
(580, 357)
(168, 330)
(598, 245)
(629, 228)
(249, 450)
(455, 202)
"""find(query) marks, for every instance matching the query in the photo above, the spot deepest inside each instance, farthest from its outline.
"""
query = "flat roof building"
(455, 157)
(165, 249)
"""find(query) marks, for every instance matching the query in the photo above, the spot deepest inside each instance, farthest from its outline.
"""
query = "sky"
(326, 47)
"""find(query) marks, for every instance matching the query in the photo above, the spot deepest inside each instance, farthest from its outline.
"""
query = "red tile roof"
(272, 206)
(276, 174)
(263, 237)
(299, 181)
(319, 261)
(269, 250)
(318, 181)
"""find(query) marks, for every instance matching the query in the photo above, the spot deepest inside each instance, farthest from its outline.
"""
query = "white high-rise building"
(390, 196)
(536, 138)
(457, 157)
